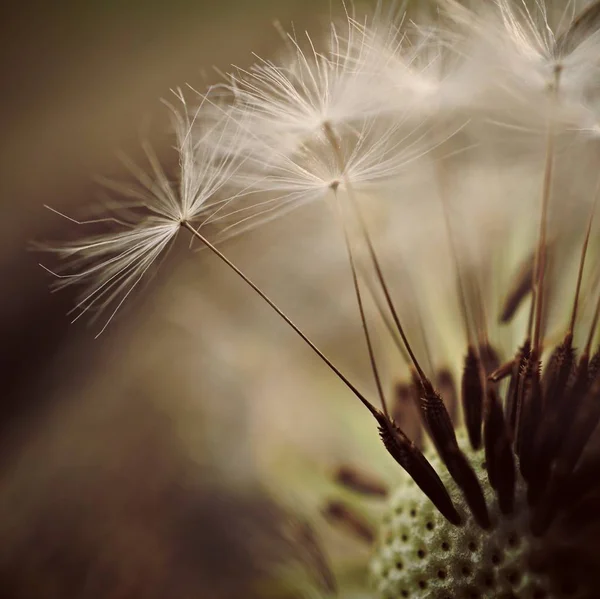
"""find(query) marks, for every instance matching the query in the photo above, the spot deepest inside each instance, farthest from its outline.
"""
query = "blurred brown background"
(102, 493)
(80, 82)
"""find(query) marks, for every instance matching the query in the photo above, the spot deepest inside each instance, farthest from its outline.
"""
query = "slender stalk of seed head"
(361, 308)
(283, 315)
(333, 140)
(540, 259)
(582, 264)
(397, 444)
(386, 321)
(392, 330)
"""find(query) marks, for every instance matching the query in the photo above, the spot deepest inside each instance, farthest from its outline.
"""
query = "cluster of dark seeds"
(506, 508)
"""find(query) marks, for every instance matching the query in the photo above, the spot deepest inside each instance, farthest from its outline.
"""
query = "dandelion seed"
(527, 55)
(109, 266)
(289, 105)
(368, 162)
(114, 264)
(424, 69)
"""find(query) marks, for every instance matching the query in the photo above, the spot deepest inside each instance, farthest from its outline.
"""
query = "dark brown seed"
(554, 427)
(498, 453)
(408, 456)
(436, 418)
(472, 397)
(491, 432)
(360, 482)
(529, 416)
(558, 372)
(339, 513)
(442, 434)
(516, 382)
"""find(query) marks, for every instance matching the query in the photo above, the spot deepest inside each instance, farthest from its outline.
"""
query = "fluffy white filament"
(110, 265)
(361, 110)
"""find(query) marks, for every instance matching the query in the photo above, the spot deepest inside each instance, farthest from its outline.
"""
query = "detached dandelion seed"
(110, 266)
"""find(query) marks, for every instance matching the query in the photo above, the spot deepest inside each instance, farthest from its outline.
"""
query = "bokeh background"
(82, 81)
(161, 460)
(129, 465)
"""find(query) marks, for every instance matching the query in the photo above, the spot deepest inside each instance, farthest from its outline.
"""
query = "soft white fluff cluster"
(386, 109)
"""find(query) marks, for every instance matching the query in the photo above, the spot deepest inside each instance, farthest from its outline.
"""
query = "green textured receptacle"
(422, 555)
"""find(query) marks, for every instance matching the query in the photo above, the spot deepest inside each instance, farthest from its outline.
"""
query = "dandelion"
(531, 55)
(495, 487)
(498, 503)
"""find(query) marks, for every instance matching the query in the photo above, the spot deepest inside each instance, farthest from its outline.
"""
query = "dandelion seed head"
(290, 103)
(521, 50)
(422, 70)
(369, 160)
(109, 266)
